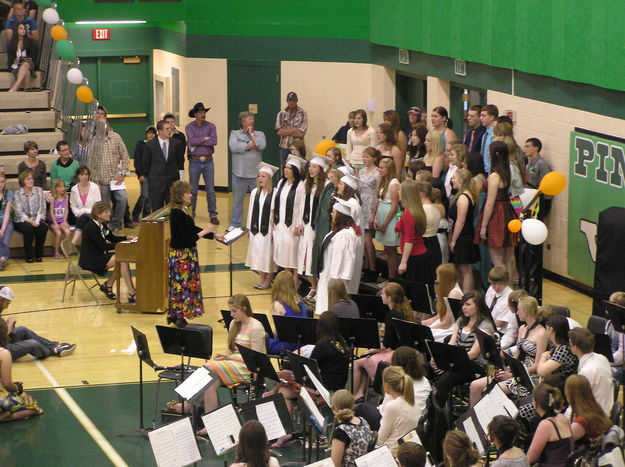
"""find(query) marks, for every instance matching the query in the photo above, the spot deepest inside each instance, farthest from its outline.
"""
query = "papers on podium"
(319, 387)
(195, 385)
(174, 445)
(222, 426)
(381, 457)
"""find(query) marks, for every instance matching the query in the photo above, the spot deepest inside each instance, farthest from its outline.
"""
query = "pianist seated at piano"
(95, 251)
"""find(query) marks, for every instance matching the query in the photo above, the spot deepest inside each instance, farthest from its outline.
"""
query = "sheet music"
(195, 384)
(327, 462)
(469, 429)
(486, 410)
(222, 426)
(268, 416)
(312, 407)
(499, 399)
(233, 234)
(381, 457)
(412, 437)
(174, 445)
(318, 386)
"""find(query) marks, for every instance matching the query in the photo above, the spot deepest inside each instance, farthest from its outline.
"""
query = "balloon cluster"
(65, 49)
(534, 231)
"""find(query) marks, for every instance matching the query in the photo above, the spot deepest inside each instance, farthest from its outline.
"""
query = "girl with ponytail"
(401, 414)
(458, 450)
(553, 439)
(399, 307)
(352, 435)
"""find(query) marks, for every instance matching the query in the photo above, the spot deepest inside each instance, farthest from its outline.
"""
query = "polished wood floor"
(105, 352)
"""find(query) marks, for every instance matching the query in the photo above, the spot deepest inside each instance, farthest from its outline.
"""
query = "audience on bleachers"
(6, 223)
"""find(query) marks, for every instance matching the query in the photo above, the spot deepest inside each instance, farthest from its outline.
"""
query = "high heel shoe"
(181, 323)
(132, 298)
(108, 291)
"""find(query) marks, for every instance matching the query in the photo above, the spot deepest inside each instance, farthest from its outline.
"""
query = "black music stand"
(297, 363)
(455, 306)
(226, 318)
(489, 348)
(300, 331)
(519, 372)
(603, 346)
(186, 342)
(450, 358)
(418, 293)
(259, 364)
(370, 306)
(248, 411)
(359, 333)
(228, 243)
(413, 335)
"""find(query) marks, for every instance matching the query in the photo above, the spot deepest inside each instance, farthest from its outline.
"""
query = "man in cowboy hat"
(202, 139)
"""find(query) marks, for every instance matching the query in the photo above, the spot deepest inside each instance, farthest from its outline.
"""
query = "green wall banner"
(596, 182)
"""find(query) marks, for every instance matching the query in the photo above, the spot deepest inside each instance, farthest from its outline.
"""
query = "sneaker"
(4, 262)
(214, 221)
(63, 350)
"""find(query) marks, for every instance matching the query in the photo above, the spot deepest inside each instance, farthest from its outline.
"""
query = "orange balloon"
(58, 33)
(514, 225)
(323, 146)
(84, 94)
(552, 184)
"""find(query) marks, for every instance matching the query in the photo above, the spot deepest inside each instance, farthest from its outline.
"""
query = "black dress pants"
(30, 233)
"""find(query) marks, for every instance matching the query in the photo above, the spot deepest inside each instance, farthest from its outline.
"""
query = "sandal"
(132, 298)
(108, 291)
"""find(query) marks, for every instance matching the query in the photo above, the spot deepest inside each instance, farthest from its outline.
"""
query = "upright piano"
(150, 254)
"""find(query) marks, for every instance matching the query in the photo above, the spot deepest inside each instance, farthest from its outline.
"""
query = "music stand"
(603, 346)
(418, 293)
(259, 364)
(248, 411)
(228, 239)
(454, 305)
(450, 358)
(519, 372)
(300, 331)
(370, 306)
(413, 335)
(359, 333)
(489, 348)
(297, 363)
(186, 342)
(226, 318)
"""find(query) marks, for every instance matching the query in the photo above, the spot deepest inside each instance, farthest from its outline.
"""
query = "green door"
(255, 86)
(462, 99)
(410, 92)
(125, 90)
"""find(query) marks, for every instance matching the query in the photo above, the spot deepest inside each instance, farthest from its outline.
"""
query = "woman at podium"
(185, 288)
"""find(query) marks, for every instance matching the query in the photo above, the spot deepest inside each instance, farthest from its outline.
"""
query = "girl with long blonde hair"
(411, 227)
(386, 214)
(447, 286)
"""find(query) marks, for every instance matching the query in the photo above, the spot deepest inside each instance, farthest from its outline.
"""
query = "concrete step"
(15, 143)
(7, 80)
(24, 100)
(11, 161)
(35, 120)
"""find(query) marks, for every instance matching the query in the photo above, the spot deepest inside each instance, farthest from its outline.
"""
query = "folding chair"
(74, 272)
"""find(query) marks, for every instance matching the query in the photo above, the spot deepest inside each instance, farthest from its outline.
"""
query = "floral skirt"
(185, 288)
(11, 402)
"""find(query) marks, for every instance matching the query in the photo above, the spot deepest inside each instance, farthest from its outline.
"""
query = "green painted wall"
(574, 40)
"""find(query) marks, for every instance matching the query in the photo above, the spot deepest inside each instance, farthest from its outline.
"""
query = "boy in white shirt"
(497, 302)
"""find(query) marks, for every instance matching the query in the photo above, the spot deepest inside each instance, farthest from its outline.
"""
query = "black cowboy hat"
(196, 107)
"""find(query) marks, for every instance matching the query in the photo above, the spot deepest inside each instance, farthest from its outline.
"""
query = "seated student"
(411, 454)
(339, 301)
(458, 450)
(401, 414)
(285, 302)
(618, 340)
(14, 403)
(561, 359)
(552, 443)
(399, 307)
(503, 432)
(352, 436)
(442, 324)
(497, 302)
(22, 341)
(474, 315)
(95, 251)
(252, 450)
(412, 363)
(82, 197)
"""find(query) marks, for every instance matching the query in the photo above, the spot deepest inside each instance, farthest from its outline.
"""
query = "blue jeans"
(240, 186)
(207, 170)
(284, 155)
(6, 240)
(23, 341)
(143, 203)
(119, 206)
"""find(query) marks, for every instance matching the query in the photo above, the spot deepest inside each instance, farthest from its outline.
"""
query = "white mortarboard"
(267, 168)
(350, 180)
(6, 293)
(346, 170)
(348, 208)
(296, 162)
(321, 161)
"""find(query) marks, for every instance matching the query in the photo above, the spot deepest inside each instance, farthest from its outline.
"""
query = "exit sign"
(101, 34)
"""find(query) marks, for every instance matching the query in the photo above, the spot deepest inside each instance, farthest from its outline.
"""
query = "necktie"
(492, 305)
(164, 148)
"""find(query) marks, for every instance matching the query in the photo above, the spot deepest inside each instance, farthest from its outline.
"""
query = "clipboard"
(232, 236)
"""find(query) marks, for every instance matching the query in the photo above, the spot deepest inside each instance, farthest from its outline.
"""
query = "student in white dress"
(260, 246)
(359, 138)
(314, 185)
(348, 189)
(288, 201)
(338, 250)
(442, 323)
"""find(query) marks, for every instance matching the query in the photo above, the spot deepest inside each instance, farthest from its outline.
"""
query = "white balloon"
(527, 195)
(51, 16)
(74, 76)
(534, 231)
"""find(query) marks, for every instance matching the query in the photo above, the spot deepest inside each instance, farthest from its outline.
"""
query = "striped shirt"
(287, 119)
(108, 158)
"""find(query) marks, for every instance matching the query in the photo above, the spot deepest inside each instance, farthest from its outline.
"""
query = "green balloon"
(66, 51)
(44, 3)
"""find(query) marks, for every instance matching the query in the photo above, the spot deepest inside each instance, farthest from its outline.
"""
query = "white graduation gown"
(338, 263)
(354, 283)
(260, 247)
(285, 242)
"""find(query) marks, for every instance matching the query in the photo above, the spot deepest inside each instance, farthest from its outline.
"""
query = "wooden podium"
(150, 254)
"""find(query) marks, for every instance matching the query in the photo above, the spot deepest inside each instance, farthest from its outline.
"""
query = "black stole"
(324, 245)
(309, 216)
(290, 201)
(264, 218)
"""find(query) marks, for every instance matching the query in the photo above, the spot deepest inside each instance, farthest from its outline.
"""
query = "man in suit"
(163, 158)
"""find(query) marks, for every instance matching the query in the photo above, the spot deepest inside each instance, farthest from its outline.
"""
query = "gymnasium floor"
(90, 397)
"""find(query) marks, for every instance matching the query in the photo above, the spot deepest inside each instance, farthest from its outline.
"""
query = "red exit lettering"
(101, 34)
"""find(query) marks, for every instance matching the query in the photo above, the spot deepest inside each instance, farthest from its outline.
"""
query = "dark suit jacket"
(161, 174)
(94, 249)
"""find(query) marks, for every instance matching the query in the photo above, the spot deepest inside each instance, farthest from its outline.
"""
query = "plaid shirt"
(108, 158)
(287, 119)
